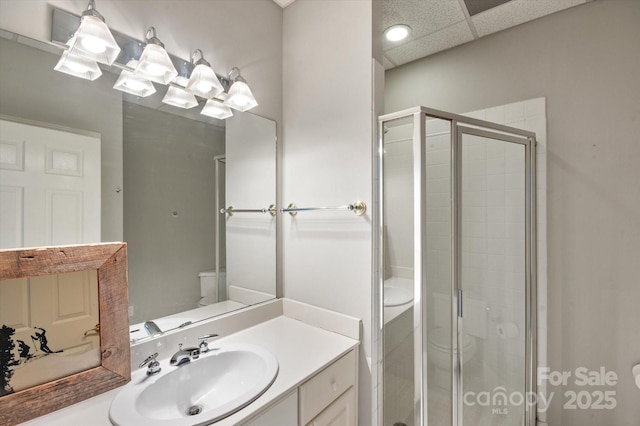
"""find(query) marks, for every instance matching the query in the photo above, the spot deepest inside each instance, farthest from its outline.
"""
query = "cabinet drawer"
(341, 412)
(325, 387)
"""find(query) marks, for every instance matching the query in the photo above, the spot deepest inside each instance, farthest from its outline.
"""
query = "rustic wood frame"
(110, 260)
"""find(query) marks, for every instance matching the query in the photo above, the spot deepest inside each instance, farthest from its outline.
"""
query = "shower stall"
(455, 256)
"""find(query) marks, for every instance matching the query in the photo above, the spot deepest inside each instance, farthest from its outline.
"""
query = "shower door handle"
(459, 304)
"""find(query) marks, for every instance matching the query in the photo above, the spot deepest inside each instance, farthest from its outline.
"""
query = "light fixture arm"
(91, 11)
(151, 38)
(200, 61)
(234, 75)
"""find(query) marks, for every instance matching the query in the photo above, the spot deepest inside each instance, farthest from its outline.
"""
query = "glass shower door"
(493, 277)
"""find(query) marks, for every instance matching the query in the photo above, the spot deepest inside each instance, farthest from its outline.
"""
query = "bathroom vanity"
(317, 353)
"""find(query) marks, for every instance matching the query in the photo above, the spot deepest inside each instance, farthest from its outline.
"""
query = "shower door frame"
(459, 125)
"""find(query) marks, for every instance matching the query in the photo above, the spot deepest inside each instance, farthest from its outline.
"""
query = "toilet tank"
(208, 283)
(475, 314)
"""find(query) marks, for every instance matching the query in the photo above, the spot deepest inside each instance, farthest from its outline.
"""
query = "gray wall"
(168, 167)
(586, 62)
(31, 89)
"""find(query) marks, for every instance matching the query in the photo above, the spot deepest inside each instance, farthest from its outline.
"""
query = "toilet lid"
(441, 337)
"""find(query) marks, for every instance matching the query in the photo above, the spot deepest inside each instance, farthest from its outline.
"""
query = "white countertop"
(301, 349)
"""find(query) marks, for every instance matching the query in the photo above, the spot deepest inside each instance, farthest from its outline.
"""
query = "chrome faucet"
(152, 328)
(204, 346)
(184, 356)
(153, 366)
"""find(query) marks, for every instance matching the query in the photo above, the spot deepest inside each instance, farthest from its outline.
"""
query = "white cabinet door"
(284, 413)
(49, 186)
(341, 413)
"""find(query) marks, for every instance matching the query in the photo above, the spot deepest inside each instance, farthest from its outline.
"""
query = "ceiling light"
(203, 81)
(155, 64)
(93, 39)
(179, 97)
(239, 96)
(216, 109)
(397, 32)
(134, 84)
(78, 66)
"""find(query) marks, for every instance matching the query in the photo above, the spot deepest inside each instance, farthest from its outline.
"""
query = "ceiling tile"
(423, 16)
(477, 6)
(441, 40)
(517, 12)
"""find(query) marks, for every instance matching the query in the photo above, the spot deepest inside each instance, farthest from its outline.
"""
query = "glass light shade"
(78, 66)
(93, 40)
(134, 84)
(178, 97)
(155, 65)
(216, 109)
(204, 82)
(240, 97)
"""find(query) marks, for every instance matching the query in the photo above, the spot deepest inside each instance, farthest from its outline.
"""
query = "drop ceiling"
(438, 25)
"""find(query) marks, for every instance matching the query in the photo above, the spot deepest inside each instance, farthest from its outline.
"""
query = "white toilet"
(209, 287)
(439, 338)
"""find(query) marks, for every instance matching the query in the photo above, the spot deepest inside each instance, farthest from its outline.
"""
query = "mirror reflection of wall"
(169, 208)
(251, 237)
(219, 292)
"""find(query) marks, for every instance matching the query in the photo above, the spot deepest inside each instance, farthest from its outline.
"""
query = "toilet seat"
(440, 338)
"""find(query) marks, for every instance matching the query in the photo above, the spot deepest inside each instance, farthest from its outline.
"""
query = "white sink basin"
(208, 389)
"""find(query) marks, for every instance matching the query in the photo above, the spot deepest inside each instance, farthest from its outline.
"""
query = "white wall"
(586, 62)
(327, 116)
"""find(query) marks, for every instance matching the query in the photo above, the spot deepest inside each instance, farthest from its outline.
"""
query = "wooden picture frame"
(110, 261)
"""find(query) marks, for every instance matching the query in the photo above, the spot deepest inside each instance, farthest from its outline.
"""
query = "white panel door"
(49, 186)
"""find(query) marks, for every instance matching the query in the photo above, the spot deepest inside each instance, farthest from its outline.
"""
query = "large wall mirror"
(155, 176)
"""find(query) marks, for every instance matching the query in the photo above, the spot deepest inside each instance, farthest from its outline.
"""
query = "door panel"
(492, 252)
(49, 186)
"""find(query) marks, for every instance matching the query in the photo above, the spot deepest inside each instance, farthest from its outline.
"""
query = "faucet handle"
(204, 346)
(153, 365)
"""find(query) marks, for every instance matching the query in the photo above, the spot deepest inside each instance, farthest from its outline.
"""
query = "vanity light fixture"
(179, 97)
(132, 83)
(216, 109)
(145, 63)
(239, 96)
(154, 63)
(93, 39)
(397, 32)
(203, 81)
(78, 66)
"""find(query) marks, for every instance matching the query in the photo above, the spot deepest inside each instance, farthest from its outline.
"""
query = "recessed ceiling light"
(397, 32)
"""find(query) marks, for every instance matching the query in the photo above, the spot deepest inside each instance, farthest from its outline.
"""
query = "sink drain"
(194, 409)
